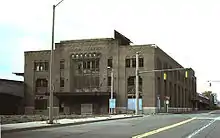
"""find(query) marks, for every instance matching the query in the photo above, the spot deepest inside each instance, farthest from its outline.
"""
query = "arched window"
(127, 62)
(110, 62)
(41, 83)
(140, 61)
(131, 84)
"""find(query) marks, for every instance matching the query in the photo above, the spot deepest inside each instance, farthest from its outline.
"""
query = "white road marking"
(199, 130)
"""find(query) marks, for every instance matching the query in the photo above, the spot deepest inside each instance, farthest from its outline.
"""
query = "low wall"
(10, 119)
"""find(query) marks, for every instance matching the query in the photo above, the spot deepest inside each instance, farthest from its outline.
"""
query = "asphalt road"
(203, 125)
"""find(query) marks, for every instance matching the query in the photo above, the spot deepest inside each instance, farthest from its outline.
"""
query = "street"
(203, 125)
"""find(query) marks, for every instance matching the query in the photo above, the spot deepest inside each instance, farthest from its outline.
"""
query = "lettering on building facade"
(84, 49)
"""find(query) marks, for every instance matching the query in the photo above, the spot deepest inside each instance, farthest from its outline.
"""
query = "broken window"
(110, 62)
(109, 81)
(93, 64)
(88, 65)
(97, 64)
(46, 66)
(41, 66)
(84, 64)
(127, 63)
(61, 82)
(41, 83)
(141, 62)
(133, 62)
(62, 64)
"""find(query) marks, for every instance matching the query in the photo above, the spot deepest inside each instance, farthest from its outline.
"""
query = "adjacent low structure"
(81, 77)
(11, 97)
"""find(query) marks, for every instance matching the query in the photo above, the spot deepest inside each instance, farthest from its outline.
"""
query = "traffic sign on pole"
(112, 103)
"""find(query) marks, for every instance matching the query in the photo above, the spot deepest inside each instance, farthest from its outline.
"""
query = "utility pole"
(51, 67)
(137, 84)
(213, 95)
(112, 88)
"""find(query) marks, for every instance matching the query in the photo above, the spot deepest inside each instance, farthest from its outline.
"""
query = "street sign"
(112, 103)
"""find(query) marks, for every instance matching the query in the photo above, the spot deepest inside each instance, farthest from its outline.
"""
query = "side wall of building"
(31, 76)
(177, 87)
(148, 86)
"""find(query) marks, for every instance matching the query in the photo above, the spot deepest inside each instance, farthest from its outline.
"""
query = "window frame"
(127, 62)
(62, 64)
(140, 63)
(110, 62)
(133, 62)
(62, 82)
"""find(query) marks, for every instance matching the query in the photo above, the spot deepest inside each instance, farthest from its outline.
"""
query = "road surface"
(203, 125)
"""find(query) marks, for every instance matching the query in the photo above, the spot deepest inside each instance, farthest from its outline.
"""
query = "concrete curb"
(68, 124)
(155, 114)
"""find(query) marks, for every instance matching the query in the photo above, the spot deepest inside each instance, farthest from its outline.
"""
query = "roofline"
(88, 40)
(37, 51)
(169, 56)
(18, 74)
(12, 80)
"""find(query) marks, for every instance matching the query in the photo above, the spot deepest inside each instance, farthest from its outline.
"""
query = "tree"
(207, 93)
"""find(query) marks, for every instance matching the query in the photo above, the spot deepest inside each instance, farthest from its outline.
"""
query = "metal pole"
(137, 85)
(112, 87)
(51, 66)
(167, 105)
(162, 70)
(158, 103)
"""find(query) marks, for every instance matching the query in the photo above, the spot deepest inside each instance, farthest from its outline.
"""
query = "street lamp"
(112, 86)
(51, 66)
(137, 84)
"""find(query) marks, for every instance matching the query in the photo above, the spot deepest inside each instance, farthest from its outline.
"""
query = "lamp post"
(51, 66)
(137, 84)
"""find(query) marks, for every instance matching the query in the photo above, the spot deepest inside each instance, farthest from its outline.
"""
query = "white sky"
(188, 30)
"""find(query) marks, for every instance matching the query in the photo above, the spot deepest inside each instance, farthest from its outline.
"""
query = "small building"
(81, 77)
(203, 102)
(11, 97)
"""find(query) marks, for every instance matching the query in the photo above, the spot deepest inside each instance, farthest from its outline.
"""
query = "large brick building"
(81, 78)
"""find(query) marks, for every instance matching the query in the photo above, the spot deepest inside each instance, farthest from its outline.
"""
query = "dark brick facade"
(80, 70)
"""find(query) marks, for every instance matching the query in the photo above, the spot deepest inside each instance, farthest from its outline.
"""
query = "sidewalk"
(7, 128)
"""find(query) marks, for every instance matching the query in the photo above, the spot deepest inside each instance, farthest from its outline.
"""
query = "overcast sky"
(188, 30)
